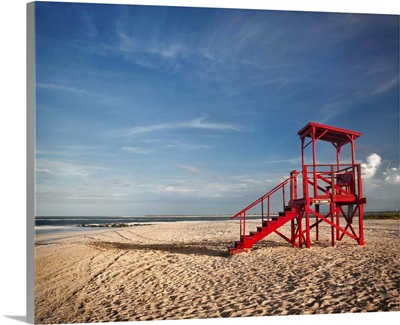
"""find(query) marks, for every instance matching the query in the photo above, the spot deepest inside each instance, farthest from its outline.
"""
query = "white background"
(13, 153)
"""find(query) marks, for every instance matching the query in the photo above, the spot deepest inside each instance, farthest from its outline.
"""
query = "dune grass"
(392, 215)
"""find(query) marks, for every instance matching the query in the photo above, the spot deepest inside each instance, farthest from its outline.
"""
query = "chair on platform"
(346, 182)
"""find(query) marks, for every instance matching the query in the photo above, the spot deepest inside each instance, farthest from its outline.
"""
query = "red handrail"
(267, 196)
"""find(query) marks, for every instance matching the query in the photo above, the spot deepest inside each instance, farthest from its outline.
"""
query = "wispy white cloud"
(137, 150)
(386, 86)
(74, 195)
(199, 123)
(289, 161)
(73, 152)
(63, 88)
(185, 146)
(175, 145)
(153, 52)
(171, 189)
(151, 128)
(90, 197)
(205, 184)
(190, 169)
(90, 28)
(392, 175)
(43, 170)
(64, 168)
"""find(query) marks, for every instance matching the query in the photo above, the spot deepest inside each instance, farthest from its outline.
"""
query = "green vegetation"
(393, 215)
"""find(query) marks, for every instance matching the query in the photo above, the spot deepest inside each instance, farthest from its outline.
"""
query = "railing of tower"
(265, 201)
(331, 180)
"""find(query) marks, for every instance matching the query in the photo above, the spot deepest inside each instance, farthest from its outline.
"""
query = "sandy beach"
(182, 271)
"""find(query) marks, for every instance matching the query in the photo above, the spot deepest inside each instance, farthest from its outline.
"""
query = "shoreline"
(181, 270)
(61, 229)
(77, 231)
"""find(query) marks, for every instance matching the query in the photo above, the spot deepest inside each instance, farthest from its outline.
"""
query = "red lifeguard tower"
(331, 193)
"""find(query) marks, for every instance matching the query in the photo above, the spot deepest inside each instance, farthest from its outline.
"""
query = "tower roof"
(328, 133)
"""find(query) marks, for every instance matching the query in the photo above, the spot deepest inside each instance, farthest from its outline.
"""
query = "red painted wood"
(336, 185)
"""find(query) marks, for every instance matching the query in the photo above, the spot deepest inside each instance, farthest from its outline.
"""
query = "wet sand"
(182, 271)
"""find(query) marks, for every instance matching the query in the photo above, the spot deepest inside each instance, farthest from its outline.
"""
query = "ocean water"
(55, 224)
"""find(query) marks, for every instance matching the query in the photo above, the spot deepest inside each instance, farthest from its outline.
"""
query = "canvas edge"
(30, 152)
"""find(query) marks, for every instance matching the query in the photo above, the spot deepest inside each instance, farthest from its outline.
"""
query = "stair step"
(271, 221)
(248, 242)
(239, 244)
(234, 250)
(256, 233)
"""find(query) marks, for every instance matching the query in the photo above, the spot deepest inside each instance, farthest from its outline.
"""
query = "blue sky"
(168, 110)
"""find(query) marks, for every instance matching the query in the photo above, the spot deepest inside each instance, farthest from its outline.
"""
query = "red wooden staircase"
(269, 223)
(267, 227)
